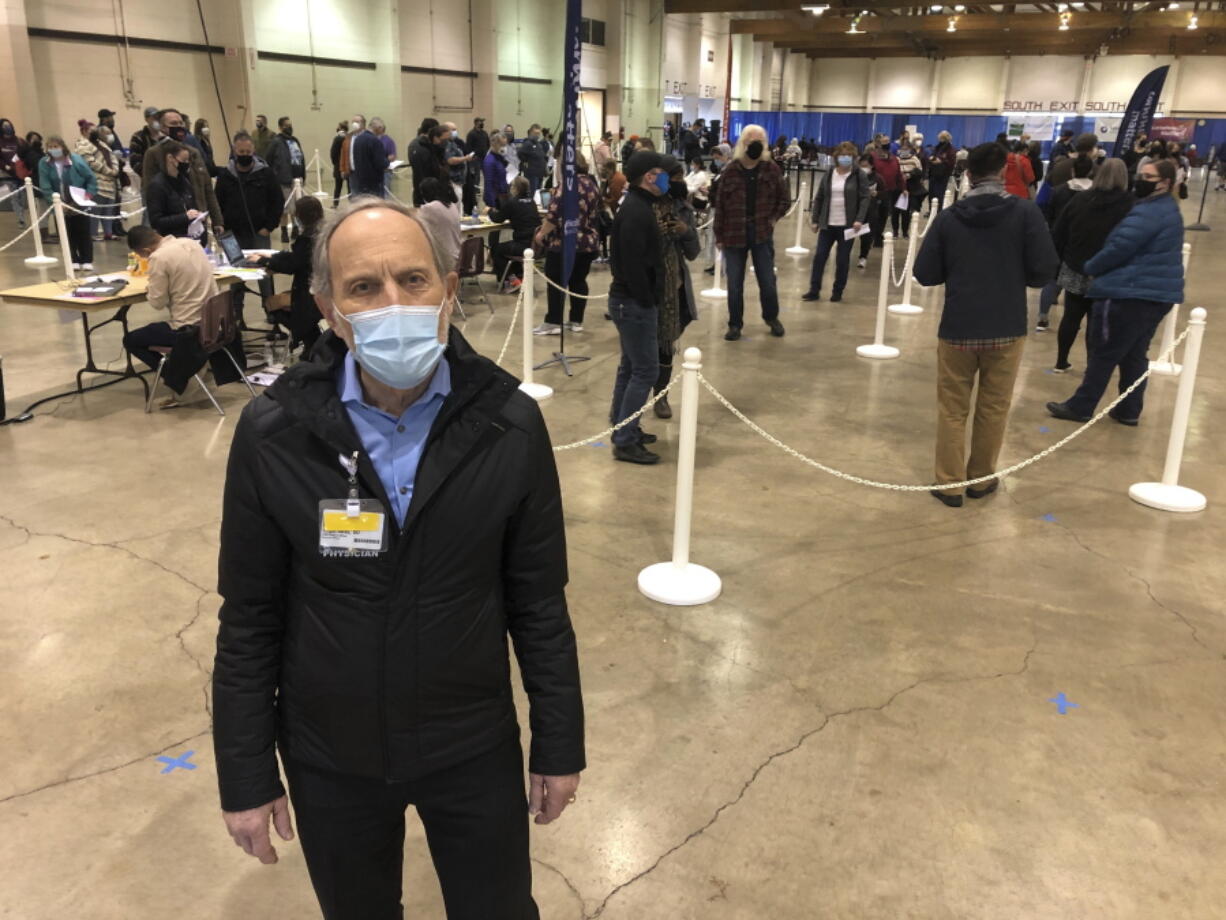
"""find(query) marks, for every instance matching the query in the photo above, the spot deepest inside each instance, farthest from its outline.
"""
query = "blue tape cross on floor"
(173, 763)
(1063, 703)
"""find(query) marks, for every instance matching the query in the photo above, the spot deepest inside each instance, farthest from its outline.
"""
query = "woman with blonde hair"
(750, 198)
(841, 204)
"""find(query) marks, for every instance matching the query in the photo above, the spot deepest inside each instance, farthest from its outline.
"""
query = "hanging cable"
(315, 104)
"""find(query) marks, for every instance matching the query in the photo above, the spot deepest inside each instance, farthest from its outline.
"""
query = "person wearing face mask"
(534, 158)
(422, 158)
(145, 138)
(203, 134)
(676, 224)
(171, 200)
(195, 174)
(288, 162)
(876, 208)
(890, 180)
(1135, 279)
(303, 317)
(750, 198)
(367, 163)
(59, 170)
(519, 211)
(338, 143)
(97, 153)
(458, 160)
(634, 301)
(548, 240)
(263, 137)
(841, 204)
(374, 661)
(251, 202)
(941, 168)
(379, 130)
(721, 154)
(13, 167)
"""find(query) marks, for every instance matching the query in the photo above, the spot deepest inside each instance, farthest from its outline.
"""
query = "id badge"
(352, 527)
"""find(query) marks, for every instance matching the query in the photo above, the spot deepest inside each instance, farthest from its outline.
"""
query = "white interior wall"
(840, 84)
(902, 83)
(1201, 87)
(1114, 78)
(970, 85)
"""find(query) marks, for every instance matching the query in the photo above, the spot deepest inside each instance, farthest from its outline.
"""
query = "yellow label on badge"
(341, 522)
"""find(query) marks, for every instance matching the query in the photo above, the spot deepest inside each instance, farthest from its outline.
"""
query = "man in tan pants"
(986, 249)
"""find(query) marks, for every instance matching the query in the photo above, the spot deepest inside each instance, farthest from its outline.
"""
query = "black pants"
(80, 243)
(577, 285)
(476, 820)
(827, 239)
(510, 253)
(470, 194)
(337, 188)
(898, 217)
(1076, 308)
(138, 341)
(876, 220)
(1119, 333)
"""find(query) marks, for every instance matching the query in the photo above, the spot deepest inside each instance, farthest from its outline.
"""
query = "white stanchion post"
(717, 292)
(797, 249)
(537, 391)
(62, 229)
(1168, 495)
(297, 192)
(319, 176)
(879, 349)
(907, 308)
(39, 258)
(682, 583)
(1169, 367)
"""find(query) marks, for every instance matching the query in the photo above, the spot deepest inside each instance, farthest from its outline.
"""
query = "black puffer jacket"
(1085, 223)
(395, 666)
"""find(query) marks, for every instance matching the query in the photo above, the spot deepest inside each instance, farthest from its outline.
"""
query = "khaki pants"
(956, 370)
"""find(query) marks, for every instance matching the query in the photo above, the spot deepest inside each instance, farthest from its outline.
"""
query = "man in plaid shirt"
(986, 249)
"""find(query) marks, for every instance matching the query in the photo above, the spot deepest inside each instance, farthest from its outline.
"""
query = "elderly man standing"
(392, 513)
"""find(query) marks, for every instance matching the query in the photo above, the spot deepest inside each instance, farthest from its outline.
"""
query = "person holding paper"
(171, 198)
(840, 209)
(60, 171)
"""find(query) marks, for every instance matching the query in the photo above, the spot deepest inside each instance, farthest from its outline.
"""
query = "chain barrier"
(18, 190)
(20, 236)
(898, 487)
(898, 282)
(506, 343)
(608, 432)
(118, 215)
(568, 291)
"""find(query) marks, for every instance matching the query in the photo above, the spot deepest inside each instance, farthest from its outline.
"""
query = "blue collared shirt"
(394, 445)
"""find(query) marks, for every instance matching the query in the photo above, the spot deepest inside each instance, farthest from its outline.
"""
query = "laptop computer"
(234, 252)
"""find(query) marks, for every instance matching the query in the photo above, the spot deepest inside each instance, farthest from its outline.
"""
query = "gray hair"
(498, 139)
(321, 274)
(376, 122)
(1112, 176)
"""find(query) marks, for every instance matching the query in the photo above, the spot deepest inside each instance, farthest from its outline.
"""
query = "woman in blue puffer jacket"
(1137, 275)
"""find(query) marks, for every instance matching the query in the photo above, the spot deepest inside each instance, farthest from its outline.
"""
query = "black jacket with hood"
(986, 248)
(250, 201)
(395, 665)
(1086, 222)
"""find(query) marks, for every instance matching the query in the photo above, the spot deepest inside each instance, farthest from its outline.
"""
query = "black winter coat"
(250, 201)
(392, 666)
(304, 313)
(1085, 223)
(522, 215)
(168, 202)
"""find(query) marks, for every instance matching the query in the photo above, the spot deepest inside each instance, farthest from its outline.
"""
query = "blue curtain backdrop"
(830, 128)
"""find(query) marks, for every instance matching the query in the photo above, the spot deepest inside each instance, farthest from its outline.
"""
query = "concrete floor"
(860, 727)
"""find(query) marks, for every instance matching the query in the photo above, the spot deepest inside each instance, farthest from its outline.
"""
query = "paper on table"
(80, 196)
(397, 164)
(851, 232)
(904, 202)
(196, 228)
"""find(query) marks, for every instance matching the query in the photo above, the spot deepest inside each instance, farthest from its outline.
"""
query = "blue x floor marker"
(1043, 429)
(1063, 703)
(178, 762)
(1050, 518)
(598, 444)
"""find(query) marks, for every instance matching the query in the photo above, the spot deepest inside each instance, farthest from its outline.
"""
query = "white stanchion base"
(715, 294)
(679, 585)
(537, 391)
(1167, 498)
(905, 309)
(797, 251)
(878, 351)
(320, 195)
(1165, 368)
(41, 260)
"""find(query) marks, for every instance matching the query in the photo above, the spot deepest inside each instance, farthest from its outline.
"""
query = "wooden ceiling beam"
(1176, 20)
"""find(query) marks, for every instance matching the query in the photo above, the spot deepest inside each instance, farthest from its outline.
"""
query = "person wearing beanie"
(145, 138)
(634, 299)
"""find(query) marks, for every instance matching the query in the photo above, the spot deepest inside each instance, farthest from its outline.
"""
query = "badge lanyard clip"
(353, 505)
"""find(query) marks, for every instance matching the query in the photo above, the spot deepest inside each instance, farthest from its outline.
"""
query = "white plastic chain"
(118, 215)
(906, 267)
(33, 225)
(897, 487)
(568, 291)
(608, 432)
(18, 190)
(519, 302)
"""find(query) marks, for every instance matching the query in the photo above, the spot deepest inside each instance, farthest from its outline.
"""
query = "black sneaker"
(285, 234)
(953, 501)
(1043, 325)
(776, 328)
(985, 491)
(836, 296)
(645, 438)
(1061, 410)
(635, 453)
(811, 295)
(733, 333)
(1130, 422)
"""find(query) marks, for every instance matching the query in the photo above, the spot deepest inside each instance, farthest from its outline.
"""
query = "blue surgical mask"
(663, 182)
(845, 161)
(398, 344)
(54, 152)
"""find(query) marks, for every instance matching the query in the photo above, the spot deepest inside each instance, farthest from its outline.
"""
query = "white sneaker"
(76, 266)
(863, 263)
(575, 327)
(547, 329)
(87, 267)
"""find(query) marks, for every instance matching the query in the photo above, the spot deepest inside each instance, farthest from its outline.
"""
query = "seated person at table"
(304, 315)
(519, 210)
(180, 280)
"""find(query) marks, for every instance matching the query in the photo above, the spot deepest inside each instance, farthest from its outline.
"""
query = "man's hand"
(856, 226)
(192, 213)
(250, 828)
(548, 796)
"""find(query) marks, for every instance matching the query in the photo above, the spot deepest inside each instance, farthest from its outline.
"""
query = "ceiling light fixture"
(1064, 21)
(936, 8)
(959, 8)
(1061, 7)
(952, 27)
(1192, 21)
(816, 9)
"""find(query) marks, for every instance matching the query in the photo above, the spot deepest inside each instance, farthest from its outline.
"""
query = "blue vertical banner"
(1139, 116)
(570, 118)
